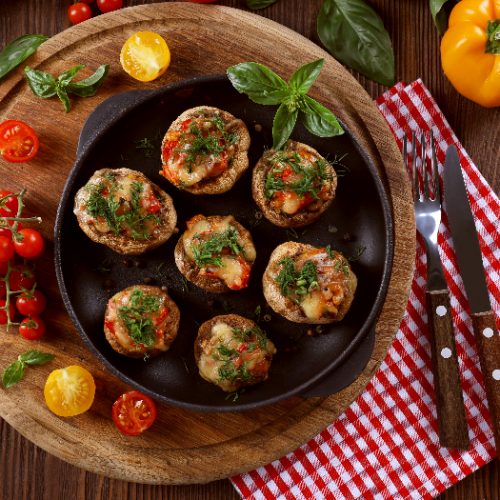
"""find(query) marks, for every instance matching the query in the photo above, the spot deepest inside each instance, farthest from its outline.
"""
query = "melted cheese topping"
(176, 166)
(120, 331)
(120, 189)
(257, 361)
(233, 271)
(333, 284)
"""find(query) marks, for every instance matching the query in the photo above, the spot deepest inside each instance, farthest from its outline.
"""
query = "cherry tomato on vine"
(109, 5)
(9, 206)
(6, 249)
(18, 141)
(31, 245)
(4, 231)
(21, 277)
(3, 289)
(32, 328)
(79, 12)
(133, 413)
(4, 267)
(3, 312)
(31, 303)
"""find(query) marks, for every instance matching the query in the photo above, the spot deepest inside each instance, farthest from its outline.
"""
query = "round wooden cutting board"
(183, 446)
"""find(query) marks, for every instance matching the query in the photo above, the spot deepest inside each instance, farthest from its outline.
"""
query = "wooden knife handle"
(450, 403)
(488, 341)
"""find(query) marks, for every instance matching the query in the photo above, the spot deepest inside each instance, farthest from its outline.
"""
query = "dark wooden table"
(27, 472)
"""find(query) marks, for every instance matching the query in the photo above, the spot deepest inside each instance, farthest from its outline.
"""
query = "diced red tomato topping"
(110, 325)
(164, 312)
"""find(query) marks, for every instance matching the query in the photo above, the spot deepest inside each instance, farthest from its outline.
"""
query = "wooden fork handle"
(452, 422)
(488, 341)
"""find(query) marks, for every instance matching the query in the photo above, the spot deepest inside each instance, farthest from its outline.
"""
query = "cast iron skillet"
(89, 274)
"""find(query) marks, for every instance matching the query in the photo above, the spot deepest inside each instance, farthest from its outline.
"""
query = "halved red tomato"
(18, 141)
(133, 413)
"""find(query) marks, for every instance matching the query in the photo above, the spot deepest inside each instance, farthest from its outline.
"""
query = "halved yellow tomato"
(69, 391)
(145, 56)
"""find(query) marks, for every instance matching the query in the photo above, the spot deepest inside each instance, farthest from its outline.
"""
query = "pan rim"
(85, 149)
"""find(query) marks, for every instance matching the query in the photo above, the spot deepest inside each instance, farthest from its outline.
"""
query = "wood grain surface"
(183, 446)
(26, 471)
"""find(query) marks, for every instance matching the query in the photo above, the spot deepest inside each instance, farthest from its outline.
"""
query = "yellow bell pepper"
(470, 50)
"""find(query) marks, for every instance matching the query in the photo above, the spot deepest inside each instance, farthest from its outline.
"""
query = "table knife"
(468, 252)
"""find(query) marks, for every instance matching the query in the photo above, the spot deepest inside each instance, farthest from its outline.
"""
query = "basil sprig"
(259, 4)
(18, 51)
(44, 85)
(14, 373)
(354, 33)
(264, 86)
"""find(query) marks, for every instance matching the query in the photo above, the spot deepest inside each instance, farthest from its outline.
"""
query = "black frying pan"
(89, 274)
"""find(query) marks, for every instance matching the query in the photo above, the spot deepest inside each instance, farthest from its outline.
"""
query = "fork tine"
(416, 188)
(423, 160)
(435, 172)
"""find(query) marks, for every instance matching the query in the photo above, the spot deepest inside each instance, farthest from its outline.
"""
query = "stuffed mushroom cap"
(216, 253)
(233, 352)
(205, 151)
(124, 210)
(306, 284)
(293, 186)
(141, 321)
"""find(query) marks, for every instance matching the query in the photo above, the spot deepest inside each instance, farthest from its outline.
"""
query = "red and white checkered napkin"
(386, 445)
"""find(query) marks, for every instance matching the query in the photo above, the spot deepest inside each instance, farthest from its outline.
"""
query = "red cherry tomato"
(3, 289)
(32, 328)
(3, 312)
(8, 206)
(31, 304)
(7, 232)
(133, 413)
(6, 249)
(31, 245)
(109, 5)
(18, 141)
(79, 12)
(21, 278)
(4, 267)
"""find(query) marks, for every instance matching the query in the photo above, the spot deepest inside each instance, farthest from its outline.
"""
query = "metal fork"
(450, 405)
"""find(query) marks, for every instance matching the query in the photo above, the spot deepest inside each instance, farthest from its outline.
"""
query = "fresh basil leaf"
(13, 374)
(261, 84)
(88, 86)
(67, 76)
(439, 11)
(63, 97)
(303, 79)
(283, 124)
(319, 120)
(259, 4)
(354, 33)
(36, 357)
(42, 84)
(18, 51)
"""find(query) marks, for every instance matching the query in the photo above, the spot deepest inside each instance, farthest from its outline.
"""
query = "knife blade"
(470, 263)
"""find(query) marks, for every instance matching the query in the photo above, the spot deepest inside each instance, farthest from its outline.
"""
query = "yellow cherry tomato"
(69, 391)
(145, 56)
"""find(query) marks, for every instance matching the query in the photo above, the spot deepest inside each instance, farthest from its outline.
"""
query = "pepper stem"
(493, 37)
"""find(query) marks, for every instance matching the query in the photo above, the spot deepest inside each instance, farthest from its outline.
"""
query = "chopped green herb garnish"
(146, 145)
(140, 327)
(294, 282)
(305, 178)
(119, 213)
(207, 252)
(203, 142)
(329, 251)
